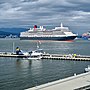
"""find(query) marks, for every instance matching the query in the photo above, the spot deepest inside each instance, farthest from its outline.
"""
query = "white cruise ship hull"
(68, 38)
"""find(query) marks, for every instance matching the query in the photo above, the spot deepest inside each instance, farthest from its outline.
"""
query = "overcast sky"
(24, 13)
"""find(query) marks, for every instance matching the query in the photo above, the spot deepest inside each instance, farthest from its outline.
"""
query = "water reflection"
(36, 67)
(58, 47)
(22, 63)
(30, 64)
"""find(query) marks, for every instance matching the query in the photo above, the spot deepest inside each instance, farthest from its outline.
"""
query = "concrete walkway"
(76, 82)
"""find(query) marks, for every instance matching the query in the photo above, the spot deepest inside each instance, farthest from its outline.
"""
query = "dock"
(76, 82)
(49, 56)
(66, 57)
(12, 55)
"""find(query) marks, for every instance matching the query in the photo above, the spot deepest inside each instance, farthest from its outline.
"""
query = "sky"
(25, 13)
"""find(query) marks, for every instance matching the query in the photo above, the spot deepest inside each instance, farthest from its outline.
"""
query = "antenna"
(38, 42)
(37, 46)
(13, 46)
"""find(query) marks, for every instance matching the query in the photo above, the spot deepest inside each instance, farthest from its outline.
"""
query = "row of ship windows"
(56, 33)
(47, 36)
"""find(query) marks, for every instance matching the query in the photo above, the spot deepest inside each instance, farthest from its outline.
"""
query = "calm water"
(19, 74)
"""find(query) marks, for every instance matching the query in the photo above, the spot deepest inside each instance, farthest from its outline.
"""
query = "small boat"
(86, 36)
(87, 69)
(35, 55)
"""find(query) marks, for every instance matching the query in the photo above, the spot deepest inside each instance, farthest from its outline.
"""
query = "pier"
(66, 57)
(49, 56)
(76, 82)
(12, 55)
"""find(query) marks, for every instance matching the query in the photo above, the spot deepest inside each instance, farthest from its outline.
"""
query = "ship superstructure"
(58, 34)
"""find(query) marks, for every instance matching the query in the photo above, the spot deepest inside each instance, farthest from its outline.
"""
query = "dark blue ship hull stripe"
(49, 38)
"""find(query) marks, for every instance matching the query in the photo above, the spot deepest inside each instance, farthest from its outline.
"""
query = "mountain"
(4, 33)
(13, 31)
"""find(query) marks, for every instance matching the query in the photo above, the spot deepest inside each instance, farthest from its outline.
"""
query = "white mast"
(61, 25)
(13, 46)
(37, 46)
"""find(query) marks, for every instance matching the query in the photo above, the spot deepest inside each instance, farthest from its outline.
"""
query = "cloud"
(17, 13)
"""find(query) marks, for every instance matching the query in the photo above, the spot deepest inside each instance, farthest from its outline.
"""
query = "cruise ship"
(57, 34)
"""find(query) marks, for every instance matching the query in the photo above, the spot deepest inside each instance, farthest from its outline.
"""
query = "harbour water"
(19, 74)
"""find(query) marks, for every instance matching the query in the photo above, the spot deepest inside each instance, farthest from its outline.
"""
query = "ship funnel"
(35, 26)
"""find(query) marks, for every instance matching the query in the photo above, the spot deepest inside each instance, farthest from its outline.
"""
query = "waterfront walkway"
(76, 82)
